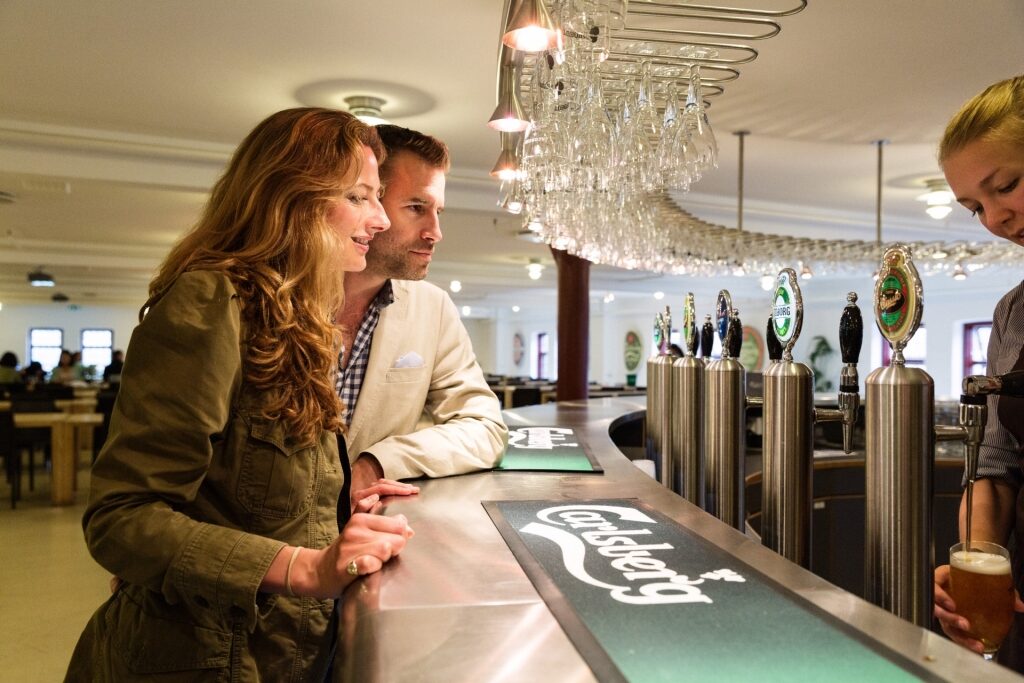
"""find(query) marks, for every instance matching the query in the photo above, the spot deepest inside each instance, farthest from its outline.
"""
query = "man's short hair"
(398, 139)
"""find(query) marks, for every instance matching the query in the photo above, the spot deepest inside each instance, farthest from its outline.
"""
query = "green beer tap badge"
(898, 297)
(787, 311)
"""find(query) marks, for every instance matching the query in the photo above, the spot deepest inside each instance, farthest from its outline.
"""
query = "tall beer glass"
(982, 588)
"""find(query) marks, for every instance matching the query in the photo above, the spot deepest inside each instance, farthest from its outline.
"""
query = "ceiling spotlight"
(609, 297)
(515, 309)
(805, 272)
(659, 295)
(535, 269)
(466, 310)
(767, 282)
(37, 278)
(455, 286)
(367, 109)
(531, 28)
(959, 273)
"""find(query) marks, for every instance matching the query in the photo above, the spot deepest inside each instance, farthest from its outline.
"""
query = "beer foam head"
(979, 562)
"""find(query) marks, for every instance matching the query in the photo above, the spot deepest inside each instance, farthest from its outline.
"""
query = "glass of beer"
(981, 585)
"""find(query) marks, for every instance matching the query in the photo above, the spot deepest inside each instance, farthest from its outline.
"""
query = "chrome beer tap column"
(788, 432)
(900, 455)
(789, 418)
(724, 423)
(659, 402)
(687, 402)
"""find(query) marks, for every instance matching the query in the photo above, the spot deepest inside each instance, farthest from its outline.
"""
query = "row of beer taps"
(696, 428)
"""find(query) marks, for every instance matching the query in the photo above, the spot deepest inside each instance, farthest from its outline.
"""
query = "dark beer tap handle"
(1013, 383)
(774, 345)
(735, 336)
(707, 337)
(851, 330)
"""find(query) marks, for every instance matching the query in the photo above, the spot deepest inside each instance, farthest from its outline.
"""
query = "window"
(976, 347)
(541, 341)
(913, 352)
(44, 345)
(97, 348)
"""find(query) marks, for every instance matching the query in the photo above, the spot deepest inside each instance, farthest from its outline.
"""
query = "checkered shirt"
(350, 379)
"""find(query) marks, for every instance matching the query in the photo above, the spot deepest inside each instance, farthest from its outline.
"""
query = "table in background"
(65, 431)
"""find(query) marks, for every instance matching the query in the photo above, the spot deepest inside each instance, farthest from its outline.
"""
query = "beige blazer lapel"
(383, 350)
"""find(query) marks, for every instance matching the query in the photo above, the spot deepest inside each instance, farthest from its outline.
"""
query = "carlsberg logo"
(579, 530)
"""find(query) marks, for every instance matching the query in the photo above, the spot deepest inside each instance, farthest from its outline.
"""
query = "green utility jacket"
(192, 497)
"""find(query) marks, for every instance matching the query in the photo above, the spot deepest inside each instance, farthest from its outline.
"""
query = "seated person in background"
(114, 369)
(33, 373)
(406, 350)
(220, 492)
(64, 373)
(9, 369)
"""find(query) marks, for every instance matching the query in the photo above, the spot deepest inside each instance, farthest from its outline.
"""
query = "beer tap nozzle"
(974, 409)
(851, 337)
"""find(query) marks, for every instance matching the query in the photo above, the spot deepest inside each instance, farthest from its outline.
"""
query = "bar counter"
(457, 606)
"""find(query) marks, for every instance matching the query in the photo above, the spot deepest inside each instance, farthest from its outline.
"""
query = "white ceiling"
(117, 115)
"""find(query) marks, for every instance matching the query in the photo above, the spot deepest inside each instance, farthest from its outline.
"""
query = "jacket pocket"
(277, 473)
(399, 375)
(151, 644)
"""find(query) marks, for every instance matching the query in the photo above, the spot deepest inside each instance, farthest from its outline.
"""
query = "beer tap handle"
(774, 345)
(692, 340)
(1012, 383)
(851, 337)
(734, 338)
(851, 331)
(707, 337)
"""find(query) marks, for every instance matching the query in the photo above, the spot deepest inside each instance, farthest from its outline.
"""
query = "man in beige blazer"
(417, 359)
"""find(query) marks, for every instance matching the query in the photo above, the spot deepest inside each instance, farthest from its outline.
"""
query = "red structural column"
(573, 325)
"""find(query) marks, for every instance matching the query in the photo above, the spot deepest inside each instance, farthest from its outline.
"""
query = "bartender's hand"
(368, 480)
(954, 625)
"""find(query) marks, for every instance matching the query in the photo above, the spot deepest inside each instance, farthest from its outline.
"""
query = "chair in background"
(525, 396)
(33, 438)
(10, 455)
(104, 404)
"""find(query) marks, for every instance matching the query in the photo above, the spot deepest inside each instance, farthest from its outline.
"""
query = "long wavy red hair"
(265, 227)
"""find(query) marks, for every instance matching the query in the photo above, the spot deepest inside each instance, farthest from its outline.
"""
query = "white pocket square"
(409, 360)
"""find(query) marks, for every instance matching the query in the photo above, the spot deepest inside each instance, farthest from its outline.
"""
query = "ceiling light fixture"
(767, 282)
(959, 273)
(515, 309)
(531, 28)
(659, 295)
(367, 108)
(938, 198)
(507, 165)
(609, 297)
(508, 116)
(466, 310)
(535, 269)
(805, 272)
(38, 278)
(455, 286)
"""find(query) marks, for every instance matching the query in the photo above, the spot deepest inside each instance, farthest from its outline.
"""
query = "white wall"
(17, 319)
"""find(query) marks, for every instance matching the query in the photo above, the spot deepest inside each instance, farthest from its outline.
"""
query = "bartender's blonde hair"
(265, 226)
(997, 113)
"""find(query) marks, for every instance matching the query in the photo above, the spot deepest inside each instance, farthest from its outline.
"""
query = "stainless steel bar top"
(456, 606)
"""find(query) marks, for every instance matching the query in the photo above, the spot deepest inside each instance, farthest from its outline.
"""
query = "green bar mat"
(644, 599)
(546, 449)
